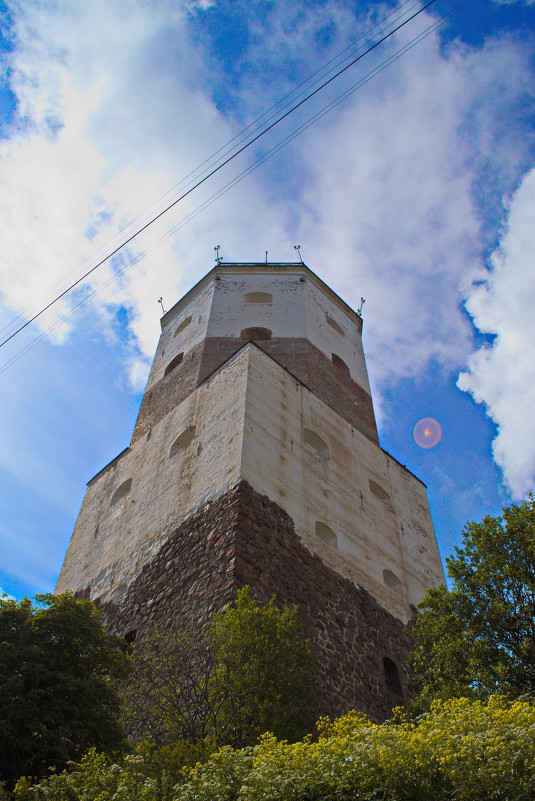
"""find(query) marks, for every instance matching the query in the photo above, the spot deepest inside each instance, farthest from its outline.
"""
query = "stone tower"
(255, 460)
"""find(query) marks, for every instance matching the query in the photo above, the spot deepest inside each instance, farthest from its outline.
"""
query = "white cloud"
(510, 2)
(502, 374)
(116, 105)
(111, 112)
(391, 208)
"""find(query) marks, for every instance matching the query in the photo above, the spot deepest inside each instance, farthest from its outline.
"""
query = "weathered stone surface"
(112, 541)
(299, 356)
(245, 538)
(309, 324)
(253, 420)
(256, 461)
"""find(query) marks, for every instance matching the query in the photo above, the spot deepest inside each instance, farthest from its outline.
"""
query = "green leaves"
(480, 637)
(265, 665)
(56, 695)
(251, 672)
(100, 778)
(461, 750)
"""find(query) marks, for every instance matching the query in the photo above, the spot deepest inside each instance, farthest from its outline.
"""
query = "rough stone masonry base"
(244, 538)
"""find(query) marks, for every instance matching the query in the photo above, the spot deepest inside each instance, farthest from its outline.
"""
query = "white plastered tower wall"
(295, 305)
(184, 327)
(301, 305)
(379, 536)
(252, 345)
(112, 541)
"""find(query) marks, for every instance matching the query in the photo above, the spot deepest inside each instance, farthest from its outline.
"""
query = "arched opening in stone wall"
(316, 442)
(258, 297)
(380, 493)
(183, 325)
(121, 492)
(173, 363)
(325, 533)
(255, 333)
(338, 328)
(183, 440)
(340, 363)
(129, 639)
(392, 581)
(392, 678)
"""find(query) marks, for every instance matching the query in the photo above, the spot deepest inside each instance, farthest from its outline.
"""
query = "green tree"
(479, 637)
(265, 671)
(171, 694)
(56, 693)
(250, 672)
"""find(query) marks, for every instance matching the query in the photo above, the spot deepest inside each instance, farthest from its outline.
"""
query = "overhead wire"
(240, 137)
(281, 104)
(230, 184)
(216, 169)
(303, 127)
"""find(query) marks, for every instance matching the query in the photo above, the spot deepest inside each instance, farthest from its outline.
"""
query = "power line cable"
(241, 136)
(216, 169)
(230, 184)
(337, 60)
(304, 126)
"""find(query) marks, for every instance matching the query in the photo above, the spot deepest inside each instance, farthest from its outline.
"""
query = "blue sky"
(417, 192)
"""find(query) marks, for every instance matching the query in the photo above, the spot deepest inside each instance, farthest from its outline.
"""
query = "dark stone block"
(349, 630)
(297, 355)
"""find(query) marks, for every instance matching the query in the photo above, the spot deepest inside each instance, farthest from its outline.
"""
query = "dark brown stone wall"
(350, 630)
(327, 381)
(168, 392)
(302, 359)
(245, 538)
(190, 578)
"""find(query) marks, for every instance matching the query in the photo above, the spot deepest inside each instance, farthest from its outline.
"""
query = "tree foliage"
(250, 672)
(97, 776)
(461, 750)
(56, 695)
(171, 694)
(479, 637)
(147, 774)
(265, 667)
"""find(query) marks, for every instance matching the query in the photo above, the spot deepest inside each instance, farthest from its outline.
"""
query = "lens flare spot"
(427, 433)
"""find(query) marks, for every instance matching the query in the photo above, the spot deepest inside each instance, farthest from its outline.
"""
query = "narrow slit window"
(316, 442)
(340, 363)
(173, 363)
(335, 326)
(182, 441)
(255, 333)
(392, 679)
(392, 581)
(325, 533)
(121, 492)
(259, 297)
(183, 324)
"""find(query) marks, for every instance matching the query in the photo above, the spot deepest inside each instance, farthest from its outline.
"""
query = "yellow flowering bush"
(461, 750)
(148, 775)
(97, 778)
